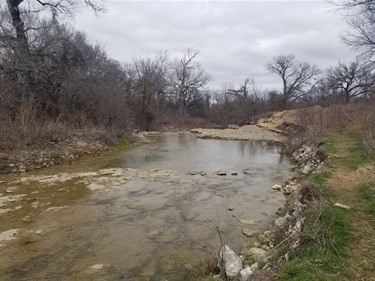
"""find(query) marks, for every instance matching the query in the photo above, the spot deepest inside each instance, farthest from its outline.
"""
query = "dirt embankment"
(55, 153)
(270, 129)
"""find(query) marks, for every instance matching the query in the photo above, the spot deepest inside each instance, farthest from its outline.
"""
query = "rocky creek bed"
(104, 215)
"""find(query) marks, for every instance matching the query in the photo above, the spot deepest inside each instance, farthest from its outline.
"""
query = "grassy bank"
(337, 242)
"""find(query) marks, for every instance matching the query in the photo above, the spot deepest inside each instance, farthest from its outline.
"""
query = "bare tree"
(150, 88)
(189, 79)
(360, 16)
(298, 78)
(247, 100)
(18, 7)
(350, 80)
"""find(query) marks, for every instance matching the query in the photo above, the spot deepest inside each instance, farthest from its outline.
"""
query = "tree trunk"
(23, 45)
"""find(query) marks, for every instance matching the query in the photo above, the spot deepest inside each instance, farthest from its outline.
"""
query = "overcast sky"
(235, 38)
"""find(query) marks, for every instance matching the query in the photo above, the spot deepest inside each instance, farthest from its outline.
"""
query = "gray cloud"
(235, 38)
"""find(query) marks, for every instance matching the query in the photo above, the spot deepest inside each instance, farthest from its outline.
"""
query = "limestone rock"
(281, 222)
(231, 261)
(276, 187)
(257, 253)
(249, 222)
(221, 173)
(247, 171)
(341, 206)
(8, 235)
(308, 168)
(245, 273)
(247, 232)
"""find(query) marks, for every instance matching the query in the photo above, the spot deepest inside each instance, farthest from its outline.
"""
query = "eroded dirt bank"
(248, 132)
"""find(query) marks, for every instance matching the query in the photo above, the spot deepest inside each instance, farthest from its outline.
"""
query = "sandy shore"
(248, 132)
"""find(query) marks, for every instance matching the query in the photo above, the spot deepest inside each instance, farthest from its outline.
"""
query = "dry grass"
(348, 180)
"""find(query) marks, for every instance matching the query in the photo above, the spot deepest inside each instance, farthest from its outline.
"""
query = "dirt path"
(346, 184)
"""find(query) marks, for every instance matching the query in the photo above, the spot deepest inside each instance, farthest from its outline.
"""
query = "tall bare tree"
(189, 80)
(149, 88)
(360, 16)
(298, 78)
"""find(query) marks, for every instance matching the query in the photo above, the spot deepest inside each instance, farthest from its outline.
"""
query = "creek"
(145, 213)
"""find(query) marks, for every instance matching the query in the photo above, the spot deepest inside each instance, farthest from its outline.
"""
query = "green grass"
(330, 144)
(366, 194)
(356, 157)
(124, 142)
(320, 178)
(328, 233)
(323, 251)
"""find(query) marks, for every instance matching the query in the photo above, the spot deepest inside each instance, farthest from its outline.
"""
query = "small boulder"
(276, 187)
(247, 171)
(257, 253)
(247, 232)
(231, 261)
(308, 168)
(221, 173)
(281, 222)
(245, 273)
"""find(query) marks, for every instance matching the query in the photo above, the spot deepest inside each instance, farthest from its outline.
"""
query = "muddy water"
(147, 213)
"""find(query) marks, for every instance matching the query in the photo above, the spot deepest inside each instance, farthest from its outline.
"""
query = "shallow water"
(147, 213)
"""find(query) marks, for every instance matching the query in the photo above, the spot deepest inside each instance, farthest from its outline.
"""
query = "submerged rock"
(8, 235)
(221, 173)
(249, 222)
(247, 171)
(247, 232)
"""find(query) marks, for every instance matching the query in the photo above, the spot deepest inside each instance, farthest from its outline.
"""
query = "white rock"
(307, 169)
(8, 235)
(341, 206)
(4, 211)
(276, 187)
(97, 266)
(280, 222)
(254, 267)
(245, 273)
(231, 261)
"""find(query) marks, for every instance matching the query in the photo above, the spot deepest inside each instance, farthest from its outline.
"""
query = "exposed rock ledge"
(248, 132)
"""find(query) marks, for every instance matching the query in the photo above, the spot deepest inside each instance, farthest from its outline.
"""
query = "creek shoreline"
(260, 259)
(264, 243)
(70, 150)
